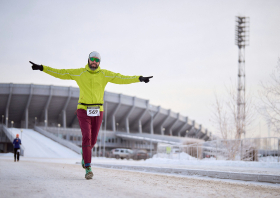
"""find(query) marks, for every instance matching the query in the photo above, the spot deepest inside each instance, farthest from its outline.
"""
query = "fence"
(249, 149)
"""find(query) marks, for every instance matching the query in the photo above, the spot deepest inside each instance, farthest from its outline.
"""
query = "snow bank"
(185, 159)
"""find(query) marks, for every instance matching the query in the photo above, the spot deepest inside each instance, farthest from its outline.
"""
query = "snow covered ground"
(63, 176)
(46, 179)
(42, 149)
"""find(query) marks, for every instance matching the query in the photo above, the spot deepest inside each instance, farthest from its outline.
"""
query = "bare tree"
(225, 115)
(270, 99)
(227, 123)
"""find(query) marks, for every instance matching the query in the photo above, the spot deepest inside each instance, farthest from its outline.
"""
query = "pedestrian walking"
(92, 81)
(16, 144)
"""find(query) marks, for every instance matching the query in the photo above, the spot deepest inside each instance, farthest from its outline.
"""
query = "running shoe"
(89, 173)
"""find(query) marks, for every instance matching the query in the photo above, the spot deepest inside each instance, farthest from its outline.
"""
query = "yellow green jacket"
(91, 83)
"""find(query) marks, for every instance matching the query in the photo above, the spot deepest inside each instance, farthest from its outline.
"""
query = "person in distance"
(16, 144)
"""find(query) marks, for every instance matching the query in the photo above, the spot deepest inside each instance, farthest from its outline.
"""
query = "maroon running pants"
(90, 126)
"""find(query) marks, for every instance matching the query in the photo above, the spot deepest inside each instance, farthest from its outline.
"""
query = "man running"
(92, 81)
(16, 144)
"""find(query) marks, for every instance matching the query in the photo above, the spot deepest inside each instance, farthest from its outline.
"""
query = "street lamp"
(2, 119)
(21, 134)
(58, 129)
(12, 123)
(35, 120)
(6, 121)
(117, 126)
(45, 124)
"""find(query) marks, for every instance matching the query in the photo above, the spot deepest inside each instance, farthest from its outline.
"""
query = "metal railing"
(249, 149)
(58, 139)
(11, 137)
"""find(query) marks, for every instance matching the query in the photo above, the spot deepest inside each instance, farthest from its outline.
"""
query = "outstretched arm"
(66, 74)
(118, 78)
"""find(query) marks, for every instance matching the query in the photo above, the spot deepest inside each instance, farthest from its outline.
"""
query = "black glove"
(145, 79)
(36, 67)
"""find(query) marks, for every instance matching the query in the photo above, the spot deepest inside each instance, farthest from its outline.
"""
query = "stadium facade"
(128, 119)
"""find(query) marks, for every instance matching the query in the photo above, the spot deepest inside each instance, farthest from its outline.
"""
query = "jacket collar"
(90, 71)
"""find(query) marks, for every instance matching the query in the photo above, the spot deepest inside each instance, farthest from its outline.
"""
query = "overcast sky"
(188, 46)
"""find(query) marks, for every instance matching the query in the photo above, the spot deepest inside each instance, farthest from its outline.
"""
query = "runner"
(16, 144)
(92, 81)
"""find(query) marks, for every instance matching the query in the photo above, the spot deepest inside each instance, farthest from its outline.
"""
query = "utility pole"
(241, 40)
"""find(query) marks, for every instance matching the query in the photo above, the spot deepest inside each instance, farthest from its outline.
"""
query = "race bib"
(93, 111)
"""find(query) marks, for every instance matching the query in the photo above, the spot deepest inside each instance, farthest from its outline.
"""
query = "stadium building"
(128, 122)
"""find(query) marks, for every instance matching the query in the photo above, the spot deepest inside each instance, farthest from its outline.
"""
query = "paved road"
(41, 179)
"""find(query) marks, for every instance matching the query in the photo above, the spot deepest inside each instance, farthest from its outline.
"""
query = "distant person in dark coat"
(16, 143)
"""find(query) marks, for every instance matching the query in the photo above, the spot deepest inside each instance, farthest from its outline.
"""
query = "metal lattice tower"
(241, 40)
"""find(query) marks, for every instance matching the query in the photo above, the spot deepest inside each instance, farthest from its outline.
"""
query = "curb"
(204, 173)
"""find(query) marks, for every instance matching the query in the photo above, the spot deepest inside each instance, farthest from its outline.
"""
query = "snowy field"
(51, 170)
(42, 149)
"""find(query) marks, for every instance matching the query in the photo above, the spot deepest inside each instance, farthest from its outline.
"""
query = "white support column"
(47, 106)
(114, 113)
(170, 129)
(153, 117)
(141, 117)
(192, 129)
(198, 131)
(183, 126)
(26, 118)
(65, 107)
(8, 104)
(161, 126)
(152, 125)
(205, 134)
(156, 115)
(27, 106)
(127, 116)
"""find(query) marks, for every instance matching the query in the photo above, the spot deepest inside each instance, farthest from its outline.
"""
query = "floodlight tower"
(241, 40)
